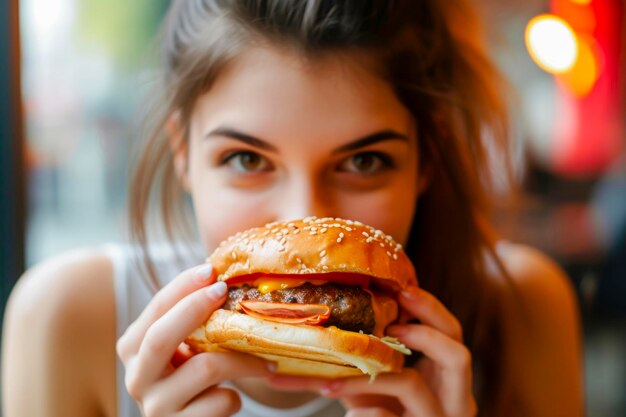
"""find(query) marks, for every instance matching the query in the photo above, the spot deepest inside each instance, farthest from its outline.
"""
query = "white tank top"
(132, 294)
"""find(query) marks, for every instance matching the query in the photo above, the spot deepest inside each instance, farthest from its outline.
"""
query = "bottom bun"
(298, 349)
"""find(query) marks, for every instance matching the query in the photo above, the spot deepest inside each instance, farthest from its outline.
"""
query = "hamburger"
(313, 295)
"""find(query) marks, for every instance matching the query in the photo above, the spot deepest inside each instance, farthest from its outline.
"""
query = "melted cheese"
(266, 285)
(385, 311)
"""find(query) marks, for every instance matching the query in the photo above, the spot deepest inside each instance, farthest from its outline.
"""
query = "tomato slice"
(345, 278)
(292, 313)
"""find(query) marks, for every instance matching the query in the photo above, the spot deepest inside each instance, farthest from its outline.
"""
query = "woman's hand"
(149, 344)
(440, 385)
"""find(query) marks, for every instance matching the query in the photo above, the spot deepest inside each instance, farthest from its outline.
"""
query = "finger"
(370, 412)
(408, 387)
(205, 370)
(429, 310)
(451, 356)
(165, 335)
(445, 351)
(184, 284)
(215, 402)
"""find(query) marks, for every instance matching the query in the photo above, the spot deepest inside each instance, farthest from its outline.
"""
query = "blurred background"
(74, 75)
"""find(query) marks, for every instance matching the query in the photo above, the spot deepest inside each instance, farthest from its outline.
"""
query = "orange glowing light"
(551, 43)
(581, 78)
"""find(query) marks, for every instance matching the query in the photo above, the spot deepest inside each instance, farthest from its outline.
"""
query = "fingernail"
(409, 295)
(330, 388)
(271, 366)
(216, 290)
(203, 272)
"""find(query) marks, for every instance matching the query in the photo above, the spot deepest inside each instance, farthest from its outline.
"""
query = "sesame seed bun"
(315, 246)
(332, 249)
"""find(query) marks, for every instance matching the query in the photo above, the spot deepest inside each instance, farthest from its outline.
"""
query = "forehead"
(274, 93)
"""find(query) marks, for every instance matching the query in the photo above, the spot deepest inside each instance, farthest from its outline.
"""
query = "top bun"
(315, 246)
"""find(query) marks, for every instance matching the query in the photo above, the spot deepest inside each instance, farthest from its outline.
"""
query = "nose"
(303, 197)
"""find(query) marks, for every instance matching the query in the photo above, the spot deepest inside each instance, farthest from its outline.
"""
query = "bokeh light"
(552, 43)
(581, 78)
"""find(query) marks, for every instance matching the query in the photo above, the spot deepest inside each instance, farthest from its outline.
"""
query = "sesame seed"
(313, 233)
(291, 225)
(323, 253)
(302, 266)
(395, 257)
(281, 249)
(267, 232)
(299, 260)
(382, 245)
(278, 236)
(388, 253)
(261, 242)
(365, 234)
(369, 239)
(323, 230)
(234, 255)
(349, 229)
(357, 223)
(284, 231)
(275, 230)
(341, 235)
(349, 222)
(324, 267)
(313, 228)
(389, 238)
(295, 232)
(338, 240)
(283, 241)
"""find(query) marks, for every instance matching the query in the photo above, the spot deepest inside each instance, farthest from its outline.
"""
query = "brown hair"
(433, 53)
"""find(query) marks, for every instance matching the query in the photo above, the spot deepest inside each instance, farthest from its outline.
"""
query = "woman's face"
(278, 139)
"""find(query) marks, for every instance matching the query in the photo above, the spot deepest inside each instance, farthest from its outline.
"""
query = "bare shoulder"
(537, 278)
(542, 327)
(59, 337)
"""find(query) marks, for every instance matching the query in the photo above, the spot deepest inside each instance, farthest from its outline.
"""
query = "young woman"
(387, 112)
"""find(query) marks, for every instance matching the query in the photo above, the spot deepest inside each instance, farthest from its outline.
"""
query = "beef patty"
(350, 307)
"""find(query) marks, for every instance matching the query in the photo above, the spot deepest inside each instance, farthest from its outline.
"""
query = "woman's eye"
(247, 162)
(366, 163)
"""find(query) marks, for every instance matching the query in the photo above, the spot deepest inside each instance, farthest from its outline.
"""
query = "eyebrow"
(377, 137)
(242, 137)
(371, 139)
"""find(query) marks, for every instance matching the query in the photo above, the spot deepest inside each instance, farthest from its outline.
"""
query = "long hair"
(433, 53)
